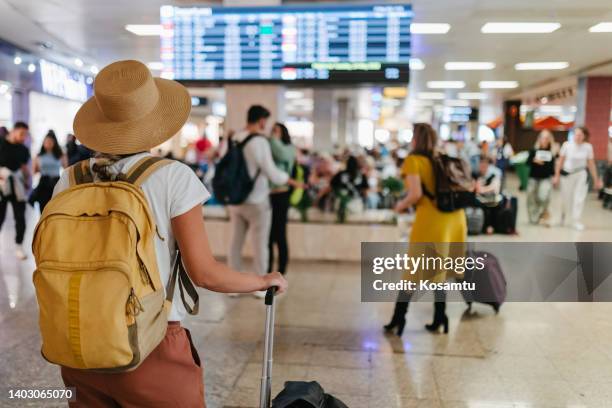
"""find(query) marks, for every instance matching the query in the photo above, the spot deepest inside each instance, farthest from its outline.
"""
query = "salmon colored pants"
(171, 376)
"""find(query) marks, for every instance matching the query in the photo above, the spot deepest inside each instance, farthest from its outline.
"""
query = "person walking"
(284, 155)
(503, 153)
(541, 163)
(49, 164)
(571, 173)
(254, 215)
(431, 227)
(131, 113)
(15, 181)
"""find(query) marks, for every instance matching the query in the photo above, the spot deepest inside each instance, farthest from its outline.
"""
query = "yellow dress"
(432, 225)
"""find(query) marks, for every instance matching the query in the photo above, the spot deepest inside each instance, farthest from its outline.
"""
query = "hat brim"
(98, 133)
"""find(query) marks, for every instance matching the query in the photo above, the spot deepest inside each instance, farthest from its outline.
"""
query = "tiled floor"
(530, 355)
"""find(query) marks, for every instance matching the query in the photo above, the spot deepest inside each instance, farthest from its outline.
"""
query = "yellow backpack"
(97, 281)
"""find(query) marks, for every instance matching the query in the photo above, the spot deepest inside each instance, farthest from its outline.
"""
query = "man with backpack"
(251, 211)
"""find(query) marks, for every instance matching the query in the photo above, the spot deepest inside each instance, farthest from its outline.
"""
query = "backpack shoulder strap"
(80, 173)
(146, 166)
(248, 139)
(179, 275)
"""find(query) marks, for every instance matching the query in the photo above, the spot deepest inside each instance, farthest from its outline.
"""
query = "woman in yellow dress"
(432, 230)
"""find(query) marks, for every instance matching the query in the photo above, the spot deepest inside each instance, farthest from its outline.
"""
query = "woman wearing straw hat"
(130, 113)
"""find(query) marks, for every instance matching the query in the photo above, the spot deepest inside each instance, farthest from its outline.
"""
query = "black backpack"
(232, 183)
(454, 184)
(302, 394)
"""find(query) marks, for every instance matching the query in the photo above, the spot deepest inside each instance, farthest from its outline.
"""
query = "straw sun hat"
(131, 111)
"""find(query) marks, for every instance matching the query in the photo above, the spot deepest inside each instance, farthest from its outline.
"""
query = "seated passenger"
(488, 191)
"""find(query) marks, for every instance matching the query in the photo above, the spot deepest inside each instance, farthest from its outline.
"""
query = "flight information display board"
(337, 43)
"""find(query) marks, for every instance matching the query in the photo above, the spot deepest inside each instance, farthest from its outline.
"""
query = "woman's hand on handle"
(275, 279)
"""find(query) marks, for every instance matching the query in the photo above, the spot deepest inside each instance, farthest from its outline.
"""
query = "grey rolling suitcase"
(296, 394)
(475, 220)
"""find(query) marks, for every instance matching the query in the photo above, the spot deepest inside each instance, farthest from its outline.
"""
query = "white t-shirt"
(258, 156)
(576, 155)
(171, 191)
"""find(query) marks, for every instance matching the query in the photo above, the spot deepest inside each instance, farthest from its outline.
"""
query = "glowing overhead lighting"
(155, 65)
(17, 60)
(605, 27)
(429, 28)
(472, 96)
(533, 66)
(416, 64)
(89, 80)
(144, 29)
(498, 84)
(519, 28)
(94, 70)
(78, 62)
(456, 102)
(31, 68)
(468, 66)
(294, 94)
(430, 95)
(446, 84)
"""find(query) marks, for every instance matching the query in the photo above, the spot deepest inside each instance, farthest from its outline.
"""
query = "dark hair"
(21, 125)
(257, 112)
(3, 132)
(586, 132)
(285, 137)
(425, 139)
(352, 166)
(56, 150)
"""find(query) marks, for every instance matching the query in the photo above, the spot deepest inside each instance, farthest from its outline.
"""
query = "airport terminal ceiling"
(81, 29)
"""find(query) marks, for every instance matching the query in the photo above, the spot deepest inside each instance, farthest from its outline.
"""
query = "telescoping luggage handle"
(266, 370)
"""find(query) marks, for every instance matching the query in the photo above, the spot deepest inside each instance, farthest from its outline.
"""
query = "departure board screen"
(336, 43)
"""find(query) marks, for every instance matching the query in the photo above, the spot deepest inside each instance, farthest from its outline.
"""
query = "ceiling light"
(94, 70)
(31, 67)
(430, 95)
(78, 62)
(89, 80)
(551, 109)
(468, 66)
(416, 64)
(429, 28)
(17, 60)
(519, 28)
(472, 95)
(456, 102)
(144, 29)
(498, 84)
(155, 65)
(294, 94)
(529, 66)
(602, 28)
(446, 84)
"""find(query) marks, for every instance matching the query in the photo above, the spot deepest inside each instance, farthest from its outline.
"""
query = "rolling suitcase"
(296, 394)
(475, 220)
(490, 282)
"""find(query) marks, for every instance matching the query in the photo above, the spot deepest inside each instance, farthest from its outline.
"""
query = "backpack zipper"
(144, 274)
(133, 306)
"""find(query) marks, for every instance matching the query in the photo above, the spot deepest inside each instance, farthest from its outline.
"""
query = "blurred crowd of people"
(353, 179)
